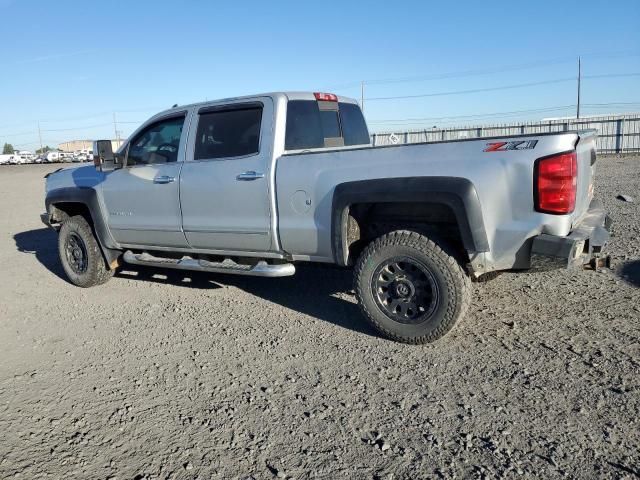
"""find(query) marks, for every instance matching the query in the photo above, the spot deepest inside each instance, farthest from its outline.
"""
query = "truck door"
(225, 179)
(142, 197)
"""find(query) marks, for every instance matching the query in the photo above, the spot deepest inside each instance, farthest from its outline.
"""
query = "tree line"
(8, 149)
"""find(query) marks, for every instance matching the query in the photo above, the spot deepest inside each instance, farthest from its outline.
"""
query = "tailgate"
(586, 156)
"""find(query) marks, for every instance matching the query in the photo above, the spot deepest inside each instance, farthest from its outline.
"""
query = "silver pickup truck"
(254, 185)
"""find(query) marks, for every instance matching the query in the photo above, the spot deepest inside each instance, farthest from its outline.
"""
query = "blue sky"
(70, 64)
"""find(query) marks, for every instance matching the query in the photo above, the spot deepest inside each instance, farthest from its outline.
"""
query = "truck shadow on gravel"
(630, 272)
(43, 243)
(315, 290)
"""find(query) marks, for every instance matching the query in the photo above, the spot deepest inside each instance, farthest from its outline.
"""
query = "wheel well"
(63, 210)
(60, 211)
(367, 221)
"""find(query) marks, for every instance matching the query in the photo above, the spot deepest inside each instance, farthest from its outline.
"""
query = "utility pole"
(362, 95)
(579, 76)
(40, 137)
(115, 129)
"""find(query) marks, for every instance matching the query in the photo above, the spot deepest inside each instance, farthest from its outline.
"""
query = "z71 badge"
(504, 146)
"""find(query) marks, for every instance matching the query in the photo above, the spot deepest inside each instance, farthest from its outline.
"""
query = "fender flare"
(457, 193)
(88, 197)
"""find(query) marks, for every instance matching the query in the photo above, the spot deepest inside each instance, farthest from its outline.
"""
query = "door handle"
(164, 179)
(250, 175)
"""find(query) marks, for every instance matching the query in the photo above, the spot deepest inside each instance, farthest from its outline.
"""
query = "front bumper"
(583, 246)
(46, 219)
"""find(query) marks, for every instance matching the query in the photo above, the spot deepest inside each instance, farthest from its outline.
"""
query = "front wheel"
(409, 288)
(80, 254)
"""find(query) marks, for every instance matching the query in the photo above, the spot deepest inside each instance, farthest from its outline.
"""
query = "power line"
(440, 76)
(612, 104)
(504, 87)
(459, 117)
(75, 128)
(18, 134)
(475, 90)
(70, 129)
(81, 117)
(483, 71)
(467, 73)
(401, 121)
(84, 117)
(612, 75)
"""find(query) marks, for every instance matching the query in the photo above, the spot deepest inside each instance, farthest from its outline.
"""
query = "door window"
(227, 132)
(158, 143)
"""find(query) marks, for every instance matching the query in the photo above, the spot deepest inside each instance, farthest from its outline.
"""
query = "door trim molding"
(232, 232)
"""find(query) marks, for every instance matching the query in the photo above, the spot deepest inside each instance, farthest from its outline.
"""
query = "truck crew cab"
(254, 185)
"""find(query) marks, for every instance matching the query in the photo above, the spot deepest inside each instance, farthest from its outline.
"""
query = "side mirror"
(103, 157)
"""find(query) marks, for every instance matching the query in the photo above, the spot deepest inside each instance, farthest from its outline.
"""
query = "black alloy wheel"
(76, 252)
(405, 290)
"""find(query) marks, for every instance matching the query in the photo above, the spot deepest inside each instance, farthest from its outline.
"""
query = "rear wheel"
(80, 254)
(409, 288)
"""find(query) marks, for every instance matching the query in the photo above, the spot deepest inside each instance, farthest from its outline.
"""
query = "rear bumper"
(583, 246)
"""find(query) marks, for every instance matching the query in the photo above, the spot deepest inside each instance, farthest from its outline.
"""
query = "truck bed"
(503, 181)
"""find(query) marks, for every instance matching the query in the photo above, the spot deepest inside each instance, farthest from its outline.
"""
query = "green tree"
(8, 149)
(43, 150)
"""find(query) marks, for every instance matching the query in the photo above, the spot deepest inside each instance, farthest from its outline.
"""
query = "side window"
(158, 143)
(226, 132)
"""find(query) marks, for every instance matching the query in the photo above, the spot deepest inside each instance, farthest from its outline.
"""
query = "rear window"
(330, 123)
(354, 128)
(310, 127)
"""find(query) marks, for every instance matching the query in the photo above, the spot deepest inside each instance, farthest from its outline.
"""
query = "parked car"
(53, 157)
(26, 156)
(254, 185)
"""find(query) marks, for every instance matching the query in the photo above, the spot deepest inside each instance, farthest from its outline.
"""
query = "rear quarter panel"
(503, 179)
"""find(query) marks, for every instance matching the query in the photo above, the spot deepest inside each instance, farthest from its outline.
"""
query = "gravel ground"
(159, 374)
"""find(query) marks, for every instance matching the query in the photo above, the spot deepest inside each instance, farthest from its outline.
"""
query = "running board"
(260, 269)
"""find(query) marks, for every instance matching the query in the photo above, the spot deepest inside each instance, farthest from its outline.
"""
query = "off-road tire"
(94, 271)
(453, 286)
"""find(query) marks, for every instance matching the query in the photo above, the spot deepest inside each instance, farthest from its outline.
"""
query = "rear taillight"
(326, 97)
(555, 183)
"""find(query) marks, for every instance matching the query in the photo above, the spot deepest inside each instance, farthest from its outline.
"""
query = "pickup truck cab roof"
(276, 96)
(279, 99)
